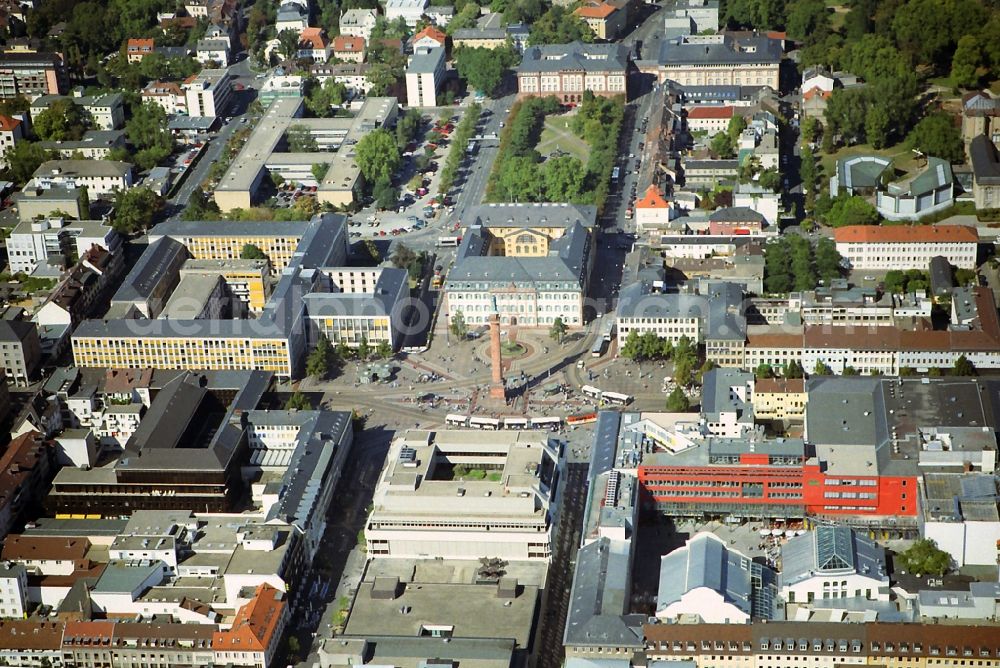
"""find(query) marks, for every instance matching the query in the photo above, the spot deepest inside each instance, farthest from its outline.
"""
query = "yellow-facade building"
(523, 242)
(99, 344)
(779, 398)
(247, 279)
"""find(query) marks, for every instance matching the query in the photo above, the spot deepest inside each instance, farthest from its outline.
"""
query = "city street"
(341, 560)
(217, 141)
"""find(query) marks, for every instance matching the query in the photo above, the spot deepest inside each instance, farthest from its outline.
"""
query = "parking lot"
(420, 206)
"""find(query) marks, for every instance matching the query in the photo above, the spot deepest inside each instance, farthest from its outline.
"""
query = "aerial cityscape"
(499, 333)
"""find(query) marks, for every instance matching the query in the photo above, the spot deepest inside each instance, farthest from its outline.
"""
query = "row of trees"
(456, 154)
(792, 263)
(598, 122)
(962, 367)
(514, 175)
(791, 370)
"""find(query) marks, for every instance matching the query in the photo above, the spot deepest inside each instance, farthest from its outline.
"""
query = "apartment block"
(94, 145)
(99, 177)
(779, 399)
(32, 74)
(13, 591)
(275, 341)
(712, 318)
(20, 350)
(409, 10)
(25, 466)
(424, 76)
(264, 151)
(146, 475)
(209, 93)
(246, 279)
(32, 244)
(106, 112)
(35, 202)
(225, 241)
(167, 95)
(11, 133)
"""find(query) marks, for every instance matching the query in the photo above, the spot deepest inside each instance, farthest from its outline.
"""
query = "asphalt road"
(339, 558)
(550, 653)
(217, 140)
(472, 179)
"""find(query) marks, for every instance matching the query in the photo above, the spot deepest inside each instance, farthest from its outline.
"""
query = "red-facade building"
(756, 487)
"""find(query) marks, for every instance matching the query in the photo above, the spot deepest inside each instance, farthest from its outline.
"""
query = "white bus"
(591, 391)
(616, 398)
(484, 423)
(515, 423)
(552, 423)
(449, 242)
(597, 349)
(453, 420)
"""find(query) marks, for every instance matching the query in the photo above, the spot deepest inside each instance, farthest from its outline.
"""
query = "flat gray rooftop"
(260, 148)
(475, 611)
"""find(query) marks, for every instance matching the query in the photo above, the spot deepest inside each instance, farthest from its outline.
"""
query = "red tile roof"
(29, 635)
(314, 38)
(433, 33)
(392, 43)
(775, 385)
(98, 632)
(256, 625)
(185, 22)
(18, 547)
(7, 123)
(595, 10)
(162, 88)
(816, 90)
(348, 43)
(652, 200)
(905, 234)
(774, 340)
(138, 44)
(710, 112)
